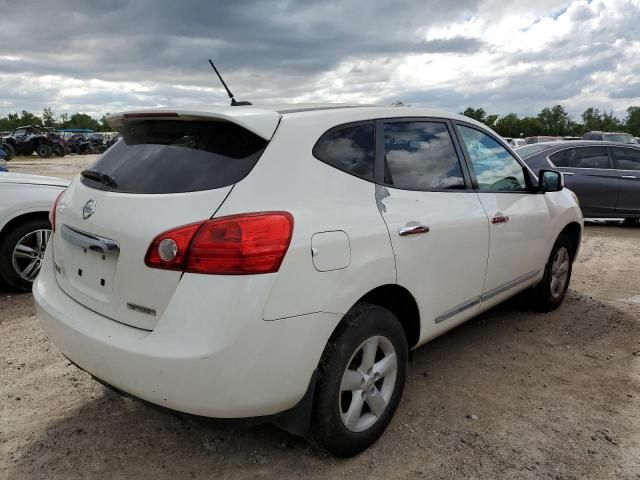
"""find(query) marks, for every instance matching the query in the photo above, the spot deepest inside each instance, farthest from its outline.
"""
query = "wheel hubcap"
(28, 254)
(559, 272)
(368, 383)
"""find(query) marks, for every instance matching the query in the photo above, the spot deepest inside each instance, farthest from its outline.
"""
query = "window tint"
(626, 158)
(178, 156)
(421, 156)
(582, 157)
(349, 148)
(19, 132)
(494, 166)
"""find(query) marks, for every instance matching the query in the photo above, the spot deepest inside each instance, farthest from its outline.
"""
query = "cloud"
(518, 56)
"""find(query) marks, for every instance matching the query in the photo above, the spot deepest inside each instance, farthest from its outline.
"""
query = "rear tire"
(44, 150)
(361, 377)
(550, 292)
(31, 251)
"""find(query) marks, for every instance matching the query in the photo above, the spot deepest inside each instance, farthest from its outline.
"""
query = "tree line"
(555, 121)
(50, 119)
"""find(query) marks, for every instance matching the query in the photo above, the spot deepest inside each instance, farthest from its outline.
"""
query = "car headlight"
(3, 165)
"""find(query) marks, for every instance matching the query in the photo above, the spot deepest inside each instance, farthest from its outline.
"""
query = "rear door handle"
(499, 218)
(568, 173)
(632, 177)
(413, 230)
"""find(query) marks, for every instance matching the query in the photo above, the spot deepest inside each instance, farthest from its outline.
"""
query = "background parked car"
(604, 175)
(539, 139)
(25, 201)
(617, 137)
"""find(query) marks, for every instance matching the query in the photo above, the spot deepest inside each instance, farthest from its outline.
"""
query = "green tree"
(82, 120)
(477, 114)
(48, 117)
(28, 118)
(554, 120)
(632, 122)
(509, 126)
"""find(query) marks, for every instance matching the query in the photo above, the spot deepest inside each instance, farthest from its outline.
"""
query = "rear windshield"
(177, 156)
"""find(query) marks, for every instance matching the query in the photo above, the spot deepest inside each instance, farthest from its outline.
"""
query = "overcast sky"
(517, 56)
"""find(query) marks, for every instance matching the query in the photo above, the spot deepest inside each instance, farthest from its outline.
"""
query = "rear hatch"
(169, 169)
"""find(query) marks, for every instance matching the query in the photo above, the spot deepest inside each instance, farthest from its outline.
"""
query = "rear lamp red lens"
(234, 245)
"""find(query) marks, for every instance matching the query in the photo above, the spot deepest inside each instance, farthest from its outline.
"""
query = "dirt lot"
(65, 167)
(511, 394)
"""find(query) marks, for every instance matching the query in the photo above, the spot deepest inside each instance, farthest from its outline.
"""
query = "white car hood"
(11, 177)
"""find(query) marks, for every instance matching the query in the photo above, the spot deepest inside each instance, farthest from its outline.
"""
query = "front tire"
(362, 374)
(22, 252)
(550, 292)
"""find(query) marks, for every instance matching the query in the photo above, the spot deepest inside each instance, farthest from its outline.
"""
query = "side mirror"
(550, 181)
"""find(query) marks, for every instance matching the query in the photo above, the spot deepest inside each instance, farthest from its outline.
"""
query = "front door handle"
(631, 177)
(412, 230)
(499, 218)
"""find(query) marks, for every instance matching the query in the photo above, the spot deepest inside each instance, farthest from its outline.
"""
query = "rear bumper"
(225, 363)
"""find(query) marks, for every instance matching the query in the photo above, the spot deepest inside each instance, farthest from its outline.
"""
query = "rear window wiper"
(99, 176)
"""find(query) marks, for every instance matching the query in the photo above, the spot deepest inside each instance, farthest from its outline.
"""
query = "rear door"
(519, 220)
(437, 226)
(588, 173)
(626, 162)
(161, 175)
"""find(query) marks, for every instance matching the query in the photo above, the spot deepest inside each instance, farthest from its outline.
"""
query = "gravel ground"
(510, 394)
(65, 167)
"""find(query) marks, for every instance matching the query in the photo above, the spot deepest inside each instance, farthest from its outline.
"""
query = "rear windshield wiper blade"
(99, 176)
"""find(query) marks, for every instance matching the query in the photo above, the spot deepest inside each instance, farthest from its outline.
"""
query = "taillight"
(235, 245)
(52, 212)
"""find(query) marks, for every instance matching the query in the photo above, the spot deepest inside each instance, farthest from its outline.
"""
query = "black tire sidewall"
(8, 243)
(327, 428)
(44, 151)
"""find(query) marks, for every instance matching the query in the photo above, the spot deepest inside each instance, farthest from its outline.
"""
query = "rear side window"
(584, 157)
(626, 158)
(421, 156)
(178, 156)
(350, 148)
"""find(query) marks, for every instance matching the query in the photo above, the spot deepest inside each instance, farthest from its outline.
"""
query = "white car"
(284, 262)
(25, 201)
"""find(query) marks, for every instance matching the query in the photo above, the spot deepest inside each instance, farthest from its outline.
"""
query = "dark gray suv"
(604, 175)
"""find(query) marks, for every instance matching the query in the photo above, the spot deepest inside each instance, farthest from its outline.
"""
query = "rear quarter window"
(350, 148)
(154, 157)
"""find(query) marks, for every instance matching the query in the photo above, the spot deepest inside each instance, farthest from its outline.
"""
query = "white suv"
(284, 262)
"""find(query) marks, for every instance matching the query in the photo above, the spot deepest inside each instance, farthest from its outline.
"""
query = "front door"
(519, 220)
(437, 226)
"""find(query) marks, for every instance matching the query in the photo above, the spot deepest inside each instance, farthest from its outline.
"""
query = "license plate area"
(88, 263)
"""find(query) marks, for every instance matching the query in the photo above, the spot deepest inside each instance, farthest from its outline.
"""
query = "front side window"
(350, 148)
(421, 156)
(495, 168)
(581, 157)
(626, 158)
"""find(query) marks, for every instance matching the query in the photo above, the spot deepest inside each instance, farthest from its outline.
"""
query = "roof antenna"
(234, 102)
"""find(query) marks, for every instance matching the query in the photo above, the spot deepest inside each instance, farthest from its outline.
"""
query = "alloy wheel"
(560, 272)
(28, 254)
(368, 383)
